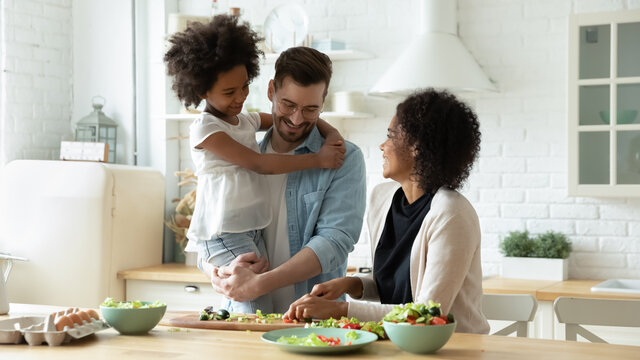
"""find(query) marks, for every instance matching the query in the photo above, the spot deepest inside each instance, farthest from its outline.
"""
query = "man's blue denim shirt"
(325, 209)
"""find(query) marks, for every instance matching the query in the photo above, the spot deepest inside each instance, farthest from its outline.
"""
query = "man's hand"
(310, 306)
(250, 261)
(238, 283)
(239, 280)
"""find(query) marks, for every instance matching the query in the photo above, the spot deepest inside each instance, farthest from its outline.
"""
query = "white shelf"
(334, 55)
(324, 115)
(176, 117)
(345, 115)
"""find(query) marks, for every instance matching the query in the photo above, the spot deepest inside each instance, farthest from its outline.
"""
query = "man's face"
(295, 109)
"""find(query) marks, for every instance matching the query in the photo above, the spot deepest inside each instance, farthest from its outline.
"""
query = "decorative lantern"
(97, 127)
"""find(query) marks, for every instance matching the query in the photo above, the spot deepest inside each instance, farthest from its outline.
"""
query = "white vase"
(535, 268)
(191, 258)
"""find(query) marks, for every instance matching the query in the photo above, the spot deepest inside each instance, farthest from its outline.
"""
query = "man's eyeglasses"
(288, 108)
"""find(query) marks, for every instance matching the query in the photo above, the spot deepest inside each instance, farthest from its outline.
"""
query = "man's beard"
(287, 136)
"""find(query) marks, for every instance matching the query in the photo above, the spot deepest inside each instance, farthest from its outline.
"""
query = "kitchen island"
(174, 343)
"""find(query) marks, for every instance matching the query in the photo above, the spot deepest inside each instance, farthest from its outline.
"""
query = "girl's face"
(397, 159)
(230, 91)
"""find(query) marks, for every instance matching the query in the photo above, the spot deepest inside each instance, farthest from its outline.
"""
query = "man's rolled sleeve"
(328, 255)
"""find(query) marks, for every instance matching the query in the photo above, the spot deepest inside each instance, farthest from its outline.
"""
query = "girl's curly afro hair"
(199, 54)
(444, 136)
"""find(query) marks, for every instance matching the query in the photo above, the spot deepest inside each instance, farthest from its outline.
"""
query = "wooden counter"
(167, 343)
(498, 285)
(579, 288)
(173, 272)
(545, 290)
(165, 272)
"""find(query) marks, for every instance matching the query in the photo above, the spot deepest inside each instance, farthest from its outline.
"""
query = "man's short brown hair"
(305, 65)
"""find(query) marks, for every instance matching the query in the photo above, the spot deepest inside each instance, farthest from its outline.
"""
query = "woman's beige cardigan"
(445, 259)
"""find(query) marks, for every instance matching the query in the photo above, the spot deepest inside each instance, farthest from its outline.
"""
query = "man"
(317, 213)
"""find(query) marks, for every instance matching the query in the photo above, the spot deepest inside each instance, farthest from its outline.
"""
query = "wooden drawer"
(177, 295)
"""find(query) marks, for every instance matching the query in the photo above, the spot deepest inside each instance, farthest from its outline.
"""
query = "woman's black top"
(391, 261)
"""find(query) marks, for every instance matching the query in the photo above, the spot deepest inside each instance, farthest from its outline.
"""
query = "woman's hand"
(333, 289)
(310, 306)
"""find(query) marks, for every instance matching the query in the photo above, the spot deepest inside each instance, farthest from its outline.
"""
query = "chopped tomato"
(352, 326)
(287, 321)
(445, 318)
(437, 321)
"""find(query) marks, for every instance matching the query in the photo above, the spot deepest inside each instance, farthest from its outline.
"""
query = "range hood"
(436, 58)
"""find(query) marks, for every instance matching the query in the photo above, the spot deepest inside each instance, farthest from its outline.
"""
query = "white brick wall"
(527, 57)
(36, 81)
(520, 180)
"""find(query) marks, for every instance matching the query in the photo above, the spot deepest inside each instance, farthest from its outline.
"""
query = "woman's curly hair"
(444, 135)
(199, 54)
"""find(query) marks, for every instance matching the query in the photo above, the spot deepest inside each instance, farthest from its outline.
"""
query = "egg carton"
(36, 330)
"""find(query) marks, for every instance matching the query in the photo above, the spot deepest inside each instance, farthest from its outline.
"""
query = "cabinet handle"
(191, 288)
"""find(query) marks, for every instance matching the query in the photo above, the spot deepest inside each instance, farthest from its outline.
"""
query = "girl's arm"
(221, 144)
(266, 121)
(331, 135)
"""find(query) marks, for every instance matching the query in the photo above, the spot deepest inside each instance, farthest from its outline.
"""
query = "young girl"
(216, 62)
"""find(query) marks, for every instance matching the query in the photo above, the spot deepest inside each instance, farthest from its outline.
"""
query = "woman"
(425, 236)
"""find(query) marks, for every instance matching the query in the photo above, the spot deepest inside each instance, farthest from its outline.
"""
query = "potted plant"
(543, 257)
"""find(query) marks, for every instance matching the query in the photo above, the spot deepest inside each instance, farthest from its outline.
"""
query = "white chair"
(574, 312)
(519, 308)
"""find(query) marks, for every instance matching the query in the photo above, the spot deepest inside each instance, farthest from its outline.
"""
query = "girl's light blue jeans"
(222, 249)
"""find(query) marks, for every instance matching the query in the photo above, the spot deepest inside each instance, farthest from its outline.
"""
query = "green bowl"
(419, 339)
(133, 321)
(624, 116)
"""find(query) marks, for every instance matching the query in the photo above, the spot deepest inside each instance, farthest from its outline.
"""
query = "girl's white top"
(229, 198)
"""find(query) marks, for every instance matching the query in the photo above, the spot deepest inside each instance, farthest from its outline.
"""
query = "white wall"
(103, 65)
(35, 85)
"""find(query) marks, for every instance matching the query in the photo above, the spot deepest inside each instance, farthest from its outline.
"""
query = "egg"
(75, 318)
(84, 316)
(62, 322)
(93, 314)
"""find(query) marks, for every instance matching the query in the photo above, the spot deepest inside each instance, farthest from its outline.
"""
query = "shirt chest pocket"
(312, 205)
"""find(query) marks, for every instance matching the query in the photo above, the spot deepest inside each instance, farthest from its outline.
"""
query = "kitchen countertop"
(173, 272)
(543, 290)
(162, 342)
(165, 272)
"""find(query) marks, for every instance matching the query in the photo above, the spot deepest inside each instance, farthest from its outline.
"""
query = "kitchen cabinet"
(180, 286)
(604, 102)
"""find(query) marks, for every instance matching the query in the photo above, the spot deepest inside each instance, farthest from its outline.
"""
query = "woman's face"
(230, 90)
(397, 158)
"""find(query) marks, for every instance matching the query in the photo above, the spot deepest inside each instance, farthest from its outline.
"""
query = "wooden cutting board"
(190, 319)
